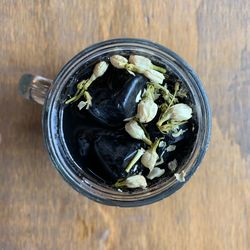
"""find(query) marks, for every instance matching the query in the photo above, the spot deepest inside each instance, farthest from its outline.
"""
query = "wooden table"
(38, 210)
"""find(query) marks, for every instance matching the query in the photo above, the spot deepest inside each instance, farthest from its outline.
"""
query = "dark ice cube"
(115, 153)
(111, 109)
(126, 97)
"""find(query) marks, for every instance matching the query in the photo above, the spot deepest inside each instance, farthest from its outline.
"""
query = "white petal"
(149, 159)
(154, 76)
(136, 181)
(179, 133)
(161, 158)
(162, 144)
(144, 91)
(180, 177)
(140, 61)
(134, 130)
(131, 72)
(81, 105)
(155, 173)
(172, 165)
(128, 119)
(171, 148)
(181, 112)
(138, 97)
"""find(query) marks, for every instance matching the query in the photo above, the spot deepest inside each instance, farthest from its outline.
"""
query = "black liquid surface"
(96, 137)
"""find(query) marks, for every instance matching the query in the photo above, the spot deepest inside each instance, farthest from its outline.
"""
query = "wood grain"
(39, 211)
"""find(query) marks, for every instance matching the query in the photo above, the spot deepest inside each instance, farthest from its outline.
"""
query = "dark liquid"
(100, 146)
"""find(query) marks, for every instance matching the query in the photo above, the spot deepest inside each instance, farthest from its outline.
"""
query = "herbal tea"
(129, 122)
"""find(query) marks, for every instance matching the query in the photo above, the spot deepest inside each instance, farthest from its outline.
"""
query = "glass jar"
(48, 93)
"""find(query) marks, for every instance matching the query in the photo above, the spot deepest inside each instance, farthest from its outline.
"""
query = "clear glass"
(50, 92)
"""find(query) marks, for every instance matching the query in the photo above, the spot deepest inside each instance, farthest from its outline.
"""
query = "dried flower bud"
(149, 159)
(144, 63)
(150, 156)
(118, 61)
(154, 76)
(180, 177)
(140, 61)
(180, 112)
(155, 173)
(136, 181)
(136, 131)
(146, 110)
(100, 68)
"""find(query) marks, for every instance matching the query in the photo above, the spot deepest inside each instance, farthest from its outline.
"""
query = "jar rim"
(52, 125)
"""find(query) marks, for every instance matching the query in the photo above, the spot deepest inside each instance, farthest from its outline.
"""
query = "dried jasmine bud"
(155, 173)
(150, 156)
(121, 62)
(143, 62)
(172, 165)
(99, 69)
(154, 76)
(174, 115)
(118, 61)
(180, 112)
(147, 108)
(136, 131)
(165, 115)
(181, 176)
(136, 181)
(137, 156)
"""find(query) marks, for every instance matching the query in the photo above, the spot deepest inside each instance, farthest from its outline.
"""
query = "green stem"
(72, 99)
(81, 89)
(164, 117)
(158, 68)
(134, 68)
(137, 156)
(120, 183)
(156, 144)
(170, 126)
(176, 88)
(80, 86)
(166, 94)
(147, 141)
(149, 92)
(89, 82)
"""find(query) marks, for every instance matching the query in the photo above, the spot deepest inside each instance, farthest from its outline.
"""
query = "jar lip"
(50, 132)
